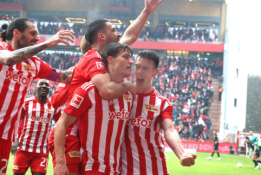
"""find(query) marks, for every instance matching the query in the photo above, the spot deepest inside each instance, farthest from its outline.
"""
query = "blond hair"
(85, 46)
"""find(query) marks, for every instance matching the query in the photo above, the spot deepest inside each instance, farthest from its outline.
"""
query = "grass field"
(227, 166)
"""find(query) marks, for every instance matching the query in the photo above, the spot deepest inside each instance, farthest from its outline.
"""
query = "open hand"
(63, 36)
(152, 5)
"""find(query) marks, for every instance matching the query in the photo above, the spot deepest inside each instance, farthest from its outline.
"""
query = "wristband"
(54, 75)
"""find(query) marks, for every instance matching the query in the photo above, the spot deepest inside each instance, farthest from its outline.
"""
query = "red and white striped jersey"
(143, 148)
(35, 126)
(15, 84)
(101, 127)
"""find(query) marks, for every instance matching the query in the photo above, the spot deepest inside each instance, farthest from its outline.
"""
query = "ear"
(17, 34)
(110, 60)
(101, 36)
(155, 72)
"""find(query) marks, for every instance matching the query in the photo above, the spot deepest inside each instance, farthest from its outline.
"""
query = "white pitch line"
(168, 157)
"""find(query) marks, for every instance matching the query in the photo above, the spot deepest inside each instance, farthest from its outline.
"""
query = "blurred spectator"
(227, 139)
(220, 90)
(148, 33)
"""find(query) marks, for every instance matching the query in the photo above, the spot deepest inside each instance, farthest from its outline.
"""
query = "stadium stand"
(159, 33)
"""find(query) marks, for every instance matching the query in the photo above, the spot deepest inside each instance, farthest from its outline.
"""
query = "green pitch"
(227, 165)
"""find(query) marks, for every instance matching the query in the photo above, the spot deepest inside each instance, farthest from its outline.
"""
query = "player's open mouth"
(33, 42)
(140, 80)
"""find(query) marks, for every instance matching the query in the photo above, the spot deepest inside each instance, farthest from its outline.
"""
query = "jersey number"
(44, 160)
(2, 169)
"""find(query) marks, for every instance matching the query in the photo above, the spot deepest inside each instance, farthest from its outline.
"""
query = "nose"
(131, 61)
(118, 34)
(37, 38)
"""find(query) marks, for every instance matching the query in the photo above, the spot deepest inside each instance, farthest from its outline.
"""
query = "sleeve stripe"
(86, 86)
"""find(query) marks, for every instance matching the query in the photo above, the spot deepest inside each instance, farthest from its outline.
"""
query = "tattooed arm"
(10, 58)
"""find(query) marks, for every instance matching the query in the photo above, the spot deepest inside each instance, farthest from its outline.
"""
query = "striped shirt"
(143, 148)
(36, 122)
(15, 84)
(101, 127)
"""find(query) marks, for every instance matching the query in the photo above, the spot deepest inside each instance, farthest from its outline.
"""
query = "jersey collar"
(9, 47)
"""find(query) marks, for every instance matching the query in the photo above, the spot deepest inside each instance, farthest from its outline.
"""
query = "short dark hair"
(93, 29)
(113, 49)
(247, 137)
(150, 55)
(18, 23)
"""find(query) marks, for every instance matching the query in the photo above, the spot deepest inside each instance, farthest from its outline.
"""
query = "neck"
(144, 90)
(42, 99)
(98, 47)
(13, 44)
(115, 76)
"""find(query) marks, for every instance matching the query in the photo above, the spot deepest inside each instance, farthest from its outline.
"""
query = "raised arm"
(173, 140)
(11, 58)
(59, 142)
(110, 90)
(133, 31)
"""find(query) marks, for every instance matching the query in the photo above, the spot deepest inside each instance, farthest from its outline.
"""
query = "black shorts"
(216, 146)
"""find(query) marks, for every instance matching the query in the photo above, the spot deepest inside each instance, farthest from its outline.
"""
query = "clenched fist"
(187, 159)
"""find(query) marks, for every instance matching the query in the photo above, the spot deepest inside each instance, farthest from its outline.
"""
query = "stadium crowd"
(187, 83)
(148, 33)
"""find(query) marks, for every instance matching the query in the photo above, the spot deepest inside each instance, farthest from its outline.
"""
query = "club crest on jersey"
(15, 167)
(127, 98)
(100, 65)
(49, 110)
(74, 154)
(29, 69)
(76, 101)
(151, 108)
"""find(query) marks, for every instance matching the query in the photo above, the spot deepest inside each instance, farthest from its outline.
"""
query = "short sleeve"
(60, 95)
(93, 67)
(167, 113)
(43, 68)
(78, 103)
